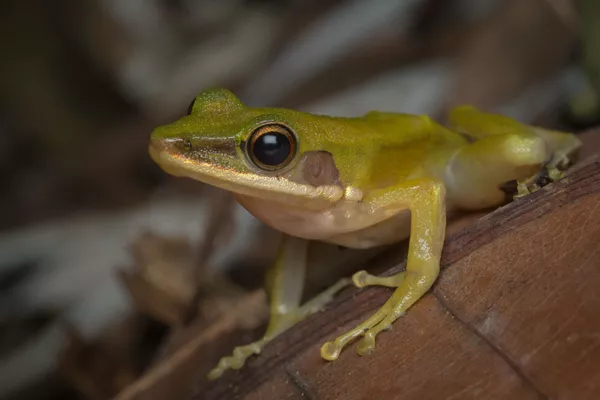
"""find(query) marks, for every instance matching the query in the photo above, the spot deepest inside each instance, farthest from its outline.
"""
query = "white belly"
(348, 223)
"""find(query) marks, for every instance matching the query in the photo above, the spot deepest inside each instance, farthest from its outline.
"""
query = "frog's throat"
(273, 188)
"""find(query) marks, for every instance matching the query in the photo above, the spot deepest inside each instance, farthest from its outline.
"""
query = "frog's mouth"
(227, 171)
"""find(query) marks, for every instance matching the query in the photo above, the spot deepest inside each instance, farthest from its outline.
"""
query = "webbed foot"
(279, 323)
(380, 321)
(237, 359)
(548, 174)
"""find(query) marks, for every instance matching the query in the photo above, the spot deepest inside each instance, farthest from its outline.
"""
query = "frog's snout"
(157, 144)
(165, 152)
(160, 145)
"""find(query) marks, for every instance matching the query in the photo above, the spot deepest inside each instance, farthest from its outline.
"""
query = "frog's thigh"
(478, 124)
(476, 172)
(425, 199)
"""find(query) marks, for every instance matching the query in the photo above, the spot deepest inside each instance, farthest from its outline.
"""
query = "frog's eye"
(191, 107)
(271, 147)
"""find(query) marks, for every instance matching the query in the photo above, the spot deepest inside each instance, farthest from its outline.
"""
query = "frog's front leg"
(425, 199)
(285, 283)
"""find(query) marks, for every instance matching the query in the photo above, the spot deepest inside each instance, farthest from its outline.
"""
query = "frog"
(356, 182)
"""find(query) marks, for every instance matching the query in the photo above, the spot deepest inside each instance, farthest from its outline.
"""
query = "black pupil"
(272, 148)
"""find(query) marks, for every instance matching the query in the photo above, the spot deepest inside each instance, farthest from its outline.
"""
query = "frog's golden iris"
(271, 147)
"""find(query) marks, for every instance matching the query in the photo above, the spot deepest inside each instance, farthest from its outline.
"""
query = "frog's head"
(251, 152)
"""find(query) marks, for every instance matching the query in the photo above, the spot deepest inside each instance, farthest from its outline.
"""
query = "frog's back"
(376, 150)
(407, 146)
(407, 128)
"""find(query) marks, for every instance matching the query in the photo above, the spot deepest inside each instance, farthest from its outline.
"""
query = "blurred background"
(108, 265)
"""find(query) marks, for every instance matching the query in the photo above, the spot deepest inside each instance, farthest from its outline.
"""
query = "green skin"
(357, 182)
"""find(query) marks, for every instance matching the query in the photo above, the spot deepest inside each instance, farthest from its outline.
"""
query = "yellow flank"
(357, 182)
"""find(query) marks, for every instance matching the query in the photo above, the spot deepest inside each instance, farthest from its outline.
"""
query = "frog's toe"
(525, 188)
(236, 360)
(331, 350)
(367, 344)
(555, 174)
(362, 279)
(550, 173)
(369, 329)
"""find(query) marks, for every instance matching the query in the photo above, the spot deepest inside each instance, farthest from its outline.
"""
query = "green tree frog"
(355, 182)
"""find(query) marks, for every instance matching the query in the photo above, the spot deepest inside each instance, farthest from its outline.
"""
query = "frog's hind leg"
(285, 284)
(479, 125)
(503, 150)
